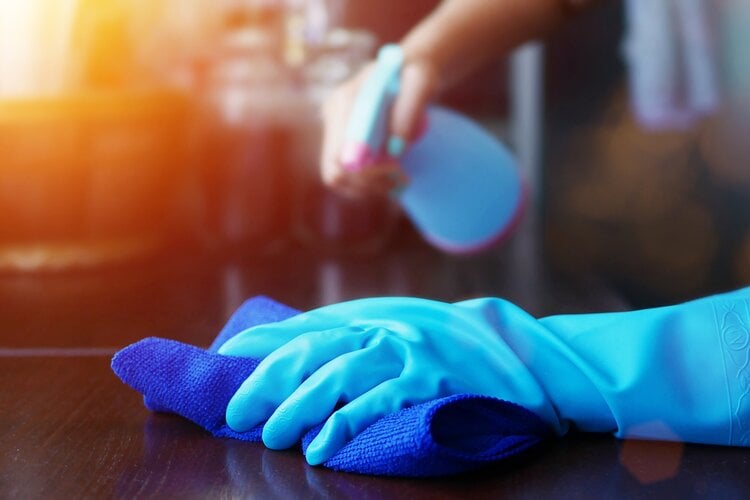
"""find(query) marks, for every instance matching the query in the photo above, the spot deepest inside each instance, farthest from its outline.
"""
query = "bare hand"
(418, 85)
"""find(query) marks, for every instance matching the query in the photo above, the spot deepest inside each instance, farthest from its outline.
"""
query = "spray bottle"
(465, 191)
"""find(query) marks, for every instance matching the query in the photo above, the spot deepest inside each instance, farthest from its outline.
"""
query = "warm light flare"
(92, 128)
(49, 47)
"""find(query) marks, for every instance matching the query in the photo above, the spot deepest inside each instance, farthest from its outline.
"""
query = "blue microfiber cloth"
(445, 436)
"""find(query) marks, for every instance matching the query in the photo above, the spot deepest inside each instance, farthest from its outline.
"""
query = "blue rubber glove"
(678, 372)
(377, 356)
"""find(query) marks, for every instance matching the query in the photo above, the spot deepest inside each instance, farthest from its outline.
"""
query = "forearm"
(462, 35)
(678, 372)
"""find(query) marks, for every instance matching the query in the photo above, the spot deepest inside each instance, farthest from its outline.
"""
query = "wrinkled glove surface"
(443, 436)
(677, 372)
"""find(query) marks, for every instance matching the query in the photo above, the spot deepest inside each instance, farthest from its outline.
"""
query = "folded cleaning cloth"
(446, 436)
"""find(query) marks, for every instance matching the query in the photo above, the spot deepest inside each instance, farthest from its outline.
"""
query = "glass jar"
(243, 139)
(324, 219)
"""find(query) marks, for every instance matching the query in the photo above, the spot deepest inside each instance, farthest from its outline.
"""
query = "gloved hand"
(375, 356)
(677, 372)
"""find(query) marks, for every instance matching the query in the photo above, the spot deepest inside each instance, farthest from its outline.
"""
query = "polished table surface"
(69, 428)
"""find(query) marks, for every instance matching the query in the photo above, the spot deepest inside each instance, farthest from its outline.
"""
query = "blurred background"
(133, 128)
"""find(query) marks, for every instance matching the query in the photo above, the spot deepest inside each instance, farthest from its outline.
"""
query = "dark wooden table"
(69, 428)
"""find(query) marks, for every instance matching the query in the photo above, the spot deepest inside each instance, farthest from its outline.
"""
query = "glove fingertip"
(317, 454)
(276, 439)
(234, 418)
(327, 443)
(237, 416)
